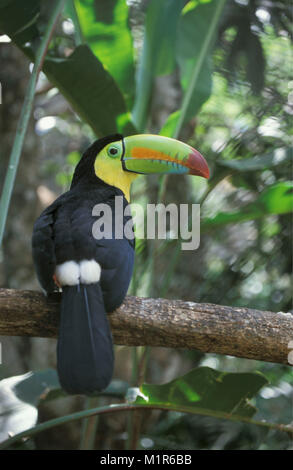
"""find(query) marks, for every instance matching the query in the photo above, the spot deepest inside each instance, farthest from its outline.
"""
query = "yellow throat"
(111, 172)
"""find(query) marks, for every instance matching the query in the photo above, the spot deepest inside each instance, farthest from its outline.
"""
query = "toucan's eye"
(113, 151)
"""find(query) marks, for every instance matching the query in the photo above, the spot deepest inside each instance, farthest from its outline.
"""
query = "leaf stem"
(79, 39)
(24, 117)
(144, 84)
(186, 100)
(194, 78)
(133, 407)
(198, 66)
(89, 426)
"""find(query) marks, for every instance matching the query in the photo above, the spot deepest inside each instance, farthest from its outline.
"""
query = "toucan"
(94, 273)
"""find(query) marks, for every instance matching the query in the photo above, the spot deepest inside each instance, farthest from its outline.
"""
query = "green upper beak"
(148, 153)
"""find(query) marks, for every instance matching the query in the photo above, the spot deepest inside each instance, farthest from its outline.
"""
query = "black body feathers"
(63, 233)
(85, 357)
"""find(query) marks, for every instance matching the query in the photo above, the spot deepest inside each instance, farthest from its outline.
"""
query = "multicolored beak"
(147, 153)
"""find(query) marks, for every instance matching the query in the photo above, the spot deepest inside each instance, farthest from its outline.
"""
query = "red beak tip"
(207, 173)
(198, 165)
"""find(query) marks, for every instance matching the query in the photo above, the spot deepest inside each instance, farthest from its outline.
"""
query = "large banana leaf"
(91, 91)
(105, 28)
(81, 77)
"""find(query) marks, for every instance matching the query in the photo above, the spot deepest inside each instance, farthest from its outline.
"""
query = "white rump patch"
(90, 272)
(72, 273)
(67, 273)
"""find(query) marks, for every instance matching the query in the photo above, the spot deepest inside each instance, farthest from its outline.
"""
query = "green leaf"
(81, 77)
(161, 32)
(104, 25)
(269, 160)
(169, 127)
(196, 32)
(203, 391)
(206, 391)
(193, 34)
(276, 199)
(91, 90)
(158, 53)
(19, 19)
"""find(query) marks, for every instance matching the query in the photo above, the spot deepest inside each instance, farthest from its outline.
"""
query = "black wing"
(43, 250)
(63, 232)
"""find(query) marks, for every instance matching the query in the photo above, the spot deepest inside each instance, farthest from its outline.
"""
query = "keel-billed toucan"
(94, 274)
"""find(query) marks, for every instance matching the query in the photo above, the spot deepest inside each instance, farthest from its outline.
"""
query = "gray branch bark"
(209, 328)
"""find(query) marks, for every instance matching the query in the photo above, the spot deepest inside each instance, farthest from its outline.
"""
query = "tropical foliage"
(215, 73)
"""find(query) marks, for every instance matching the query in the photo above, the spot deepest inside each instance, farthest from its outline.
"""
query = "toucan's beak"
(148, 153)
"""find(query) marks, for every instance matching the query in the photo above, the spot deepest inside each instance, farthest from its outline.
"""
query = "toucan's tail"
(85, 357)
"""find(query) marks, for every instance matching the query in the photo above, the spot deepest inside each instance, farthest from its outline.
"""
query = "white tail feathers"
(72, 273)
(90, 272)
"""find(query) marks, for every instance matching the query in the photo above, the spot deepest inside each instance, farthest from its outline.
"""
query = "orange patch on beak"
(149, 154)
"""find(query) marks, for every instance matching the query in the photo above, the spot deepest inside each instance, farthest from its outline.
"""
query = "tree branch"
(235, 331)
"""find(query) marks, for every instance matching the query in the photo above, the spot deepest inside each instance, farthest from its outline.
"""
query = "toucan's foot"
(56, 281)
